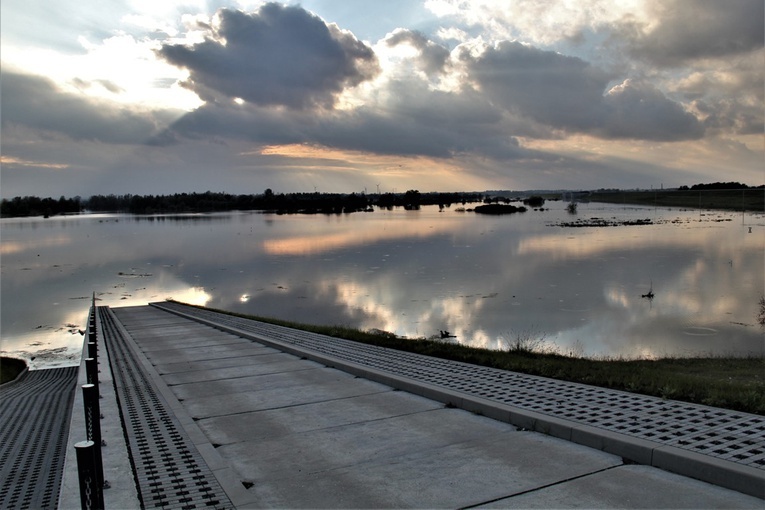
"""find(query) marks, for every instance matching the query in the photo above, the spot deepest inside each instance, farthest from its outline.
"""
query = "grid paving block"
(34, 426)
(169, 470)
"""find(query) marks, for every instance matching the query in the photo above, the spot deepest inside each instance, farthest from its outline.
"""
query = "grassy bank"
(752, 200)
(10, 368)
(731, 383)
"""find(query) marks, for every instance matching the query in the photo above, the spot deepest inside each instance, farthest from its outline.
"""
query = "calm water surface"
(487, 280)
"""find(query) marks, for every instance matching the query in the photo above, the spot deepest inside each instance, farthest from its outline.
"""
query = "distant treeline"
(732, 196)
(719, 186)
(35, 206)
(290, 203)
(304, 203)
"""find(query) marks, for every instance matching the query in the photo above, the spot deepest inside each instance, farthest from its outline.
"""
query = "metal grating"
(733, 436)
(34, 427)
(170, 472)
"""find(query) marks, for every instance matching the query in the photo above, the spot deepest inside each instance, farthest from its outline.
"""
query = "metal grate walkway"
(170, 472)
(34, 426)
(717, 433)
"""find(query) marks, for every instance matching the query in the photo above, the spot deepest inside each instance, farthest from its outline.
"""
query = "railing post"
(91, 495)
(91, 373)
(93, 428)
(92, 336)
(92, 350)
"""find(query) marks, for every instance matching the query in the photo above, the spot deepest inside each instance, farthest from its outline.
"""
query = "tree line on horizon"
(719, 186)
(281, 203)
(178, 203)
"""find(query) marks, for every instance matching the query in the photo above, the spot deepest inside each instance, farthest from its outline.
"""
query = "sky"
(148, 97)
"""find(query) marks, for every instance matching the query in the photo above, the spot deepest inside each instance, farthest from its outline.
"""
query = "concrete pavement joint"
(540, 488)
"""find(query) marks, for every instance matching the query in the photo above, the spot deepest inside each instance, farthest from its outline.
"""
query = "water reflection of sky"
(485, 279)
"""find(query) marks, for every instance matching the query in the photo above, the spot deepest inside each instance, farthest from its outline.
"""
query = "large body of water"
(486, 279)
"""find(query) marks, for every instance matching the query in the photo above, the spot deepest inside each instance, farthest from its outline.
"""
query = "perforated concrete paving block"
(34, 427)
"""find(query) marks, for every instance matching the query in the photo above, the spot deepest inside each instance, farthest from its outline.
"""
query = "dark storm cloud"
(34, 102)
(416, 122)
(419, 121)
(433, 57)
(641, 111)
(695, 29)
(552, 88)
(278, 55)
(568, 93)
(731, 116)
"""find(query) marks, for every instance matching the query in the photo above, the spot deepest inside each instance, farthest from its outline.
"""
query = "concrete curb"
(744, 479)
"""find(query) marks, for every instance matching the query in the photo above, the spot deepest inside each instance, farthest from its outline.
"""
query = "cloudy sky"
(139, 96)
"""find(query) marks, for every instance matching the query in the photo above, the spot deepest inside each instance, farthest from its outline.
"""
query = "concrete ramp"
(269, 428)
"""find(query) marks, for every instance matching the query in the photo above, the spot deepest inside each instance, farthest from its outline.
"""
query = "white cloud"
(541, 22)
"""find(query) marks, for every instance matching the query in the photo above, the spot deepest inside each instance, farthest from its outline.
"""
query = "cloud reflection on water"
(485, 279)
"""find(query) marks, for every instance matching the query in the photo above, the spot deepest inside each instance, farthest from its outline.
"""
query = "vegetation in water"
(498, 209)
(728, 382)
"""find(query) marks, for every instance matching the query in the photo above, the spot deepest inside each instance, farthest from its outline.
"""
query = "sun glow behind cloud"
(407, 172)
(14, 161)
(121, 69)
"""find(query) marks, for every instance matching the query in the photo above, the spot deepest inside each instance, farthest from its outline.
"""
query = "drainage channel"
(169, 470)
(715, 433)
(34, 426)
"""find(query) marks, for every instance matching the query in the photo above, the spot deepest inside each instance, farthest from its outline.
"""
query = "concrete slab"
(214, 364)
(198, 353)
(243, 402)
(309, 374)
(266, 364)
(187, 341)
(629, 486)
(410, 466)
(337, 447)
(308, 416)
